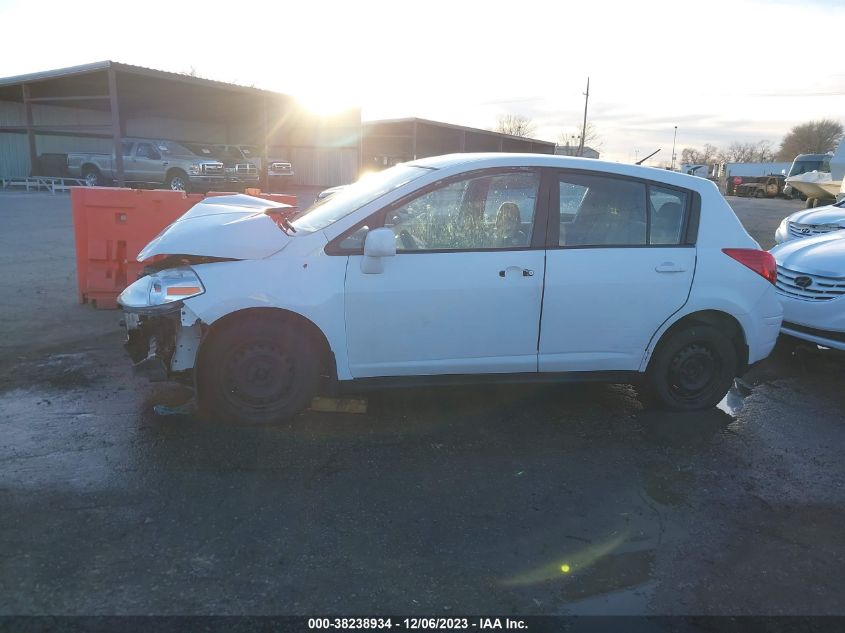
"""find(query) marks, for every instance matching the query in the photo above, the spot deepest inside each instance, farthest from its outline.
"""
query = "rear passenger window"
(602, 211)
(666, 208)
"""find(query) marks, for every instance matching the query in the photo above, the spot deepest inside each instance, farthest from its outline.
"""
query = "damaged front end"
(163, 334)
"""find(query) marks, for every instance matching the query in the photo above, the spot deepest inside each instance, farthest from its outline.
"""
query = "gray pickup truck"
(151, 162)
(240, 173)
(276, 167)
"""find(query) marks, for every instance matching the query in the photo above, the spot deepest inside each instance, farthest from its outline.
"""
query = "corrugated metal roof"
(131, 69)
(457, 127)
(52, 74)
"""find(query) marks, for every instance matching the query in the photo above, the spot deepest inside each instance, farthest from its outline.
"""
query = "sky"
(721, 71)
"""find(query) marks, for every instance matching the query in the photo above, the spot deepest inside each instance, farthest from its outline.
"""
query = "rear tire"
(258, 370)
(692, 369)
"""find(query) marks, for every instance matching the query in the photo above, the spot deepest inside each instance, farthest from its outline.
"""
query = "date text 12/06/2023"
(417, 623)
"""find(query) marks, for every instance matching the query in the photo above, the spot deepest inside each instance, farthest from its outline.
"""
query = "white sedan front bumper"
(820, 322)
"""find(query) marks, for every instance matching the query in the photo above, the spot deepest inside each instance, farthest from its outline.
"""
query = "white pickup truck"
(151, 162)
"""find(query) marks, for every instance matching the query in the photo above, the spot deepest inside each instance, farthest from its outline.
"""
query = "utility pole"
(673, 147)
(584, 126)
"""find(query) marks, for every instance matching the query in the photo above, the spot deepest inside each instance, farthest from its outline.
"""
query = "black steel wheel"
(692, 369)
(257, 370)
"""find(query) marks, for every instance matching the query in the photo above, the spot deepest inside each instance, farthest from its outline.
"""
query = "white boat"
(823, 184)
(811, 184)
(832, 188)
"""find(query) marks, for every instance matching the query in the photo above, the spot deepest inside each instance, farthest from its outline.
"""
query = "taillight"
(761, 262)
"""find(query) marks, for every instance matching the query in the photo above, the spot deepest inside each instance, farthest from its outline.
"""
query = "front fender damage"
(163, 346)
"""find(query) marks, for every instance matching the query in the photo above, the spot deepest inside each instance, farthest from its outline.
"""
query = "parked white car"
(811, 288)
(812, 222)
(497, 267)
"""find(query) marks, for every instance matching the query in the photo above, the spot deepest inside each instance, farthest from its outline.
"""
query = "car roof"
(490, 159)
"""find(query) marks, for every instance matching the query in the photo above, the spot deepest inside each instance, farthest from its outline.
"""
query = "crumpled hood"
(231, 227)
(828, 214)
(820, 255)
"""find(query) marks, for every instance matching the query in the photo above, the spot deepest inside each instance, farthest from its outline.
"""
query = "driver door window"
(144, 167)
(485, 212)
(145, 150)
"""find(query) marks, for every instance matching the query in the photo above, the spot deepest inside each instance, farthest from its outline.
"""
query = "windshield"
(250, 151)
(174, 149)
(351, 198)
(803, 166)
(205, 151)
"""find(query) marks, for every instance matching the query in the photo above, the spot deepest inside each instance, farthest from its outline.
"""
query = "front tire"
(692, 369)
(258, 370)
(178, 181)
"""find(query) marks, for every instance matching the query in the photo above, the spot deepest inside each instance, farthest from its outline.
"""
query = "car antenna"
(640, 162)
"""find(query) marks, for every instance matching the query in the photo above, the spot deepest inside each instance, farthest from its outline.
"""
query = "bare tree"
(514, 124)
(813, 137)
(765, 153)
(738, 153)
(691, 155)
(591, 137)
(759, 152)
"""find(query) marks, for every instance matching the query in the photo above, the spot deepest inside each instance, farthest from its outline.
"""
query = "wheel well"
(172, 171)
(723, 322)
(328, 366)
(89, 167)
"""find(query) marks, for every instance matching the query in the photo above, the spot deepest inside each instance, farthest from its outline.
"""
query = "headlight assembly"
(157, 292)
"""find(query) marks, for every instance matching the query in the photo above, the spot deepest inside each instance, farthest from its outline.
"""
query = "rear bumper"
(762, 326)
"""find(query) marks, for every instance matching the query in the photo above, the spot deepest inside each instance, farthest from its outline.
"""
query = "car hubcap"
(259, 376)
(91, 180)
(177, 184)
(692, 370)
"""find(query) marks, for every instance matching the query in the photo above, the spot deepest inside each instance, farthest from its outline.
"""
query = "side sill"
(459, 380)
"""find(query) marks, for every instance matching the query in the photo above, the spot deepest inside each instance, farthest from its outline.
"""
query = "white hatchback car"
(811, 222)
(498, 267)
(811, 287)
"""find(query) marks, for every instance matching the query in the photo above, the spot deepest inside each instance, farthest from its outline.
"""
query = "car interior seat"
(607, 219)
(666, 224)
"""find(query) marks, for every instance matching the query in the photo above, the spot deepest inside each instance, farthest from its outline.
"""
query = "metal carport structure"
(388, 141)
(109, 100)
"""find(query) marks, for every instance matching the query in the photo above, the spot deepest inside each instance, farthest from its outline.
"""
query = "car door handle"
(525, 271)
(669, 267)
